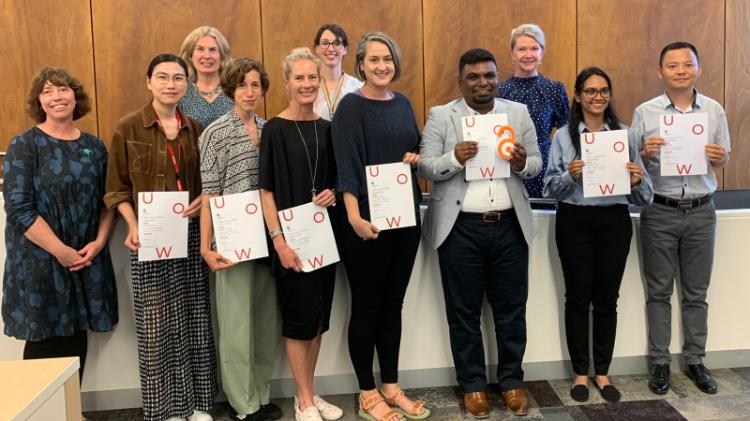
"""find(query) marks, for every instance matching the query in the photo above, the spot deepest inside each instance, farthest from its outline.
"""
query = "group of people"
(200, 133)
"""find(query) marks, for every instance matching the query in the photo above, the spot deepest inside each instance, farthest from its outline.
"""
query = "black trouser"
(593, 243)
(59, 346)
(378, 272)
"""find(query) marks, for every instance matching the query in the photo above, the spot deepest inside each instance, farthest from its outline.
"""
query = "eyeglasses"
(592, 92)
(325, 44)
(163, 79)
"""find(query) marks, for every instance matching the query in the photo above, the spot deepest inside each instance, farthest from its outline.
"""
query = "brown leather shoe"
(477, 405)
(515, 400)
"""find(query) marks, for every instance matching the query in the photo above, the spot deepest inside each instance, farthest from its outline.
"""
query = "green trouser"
(248, 332)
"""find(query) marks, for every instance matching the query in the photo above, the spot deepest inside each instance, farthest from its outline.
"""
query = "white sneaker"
(327, 410)
(175, 419)
(200, 416)
(309, 414)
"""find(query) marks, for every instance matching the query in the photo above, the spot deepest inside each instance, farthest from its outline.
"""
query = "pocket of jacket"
(139, 157)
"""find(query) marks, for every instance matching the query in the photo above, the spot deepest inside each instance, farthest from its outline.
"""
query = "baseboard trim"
(101, 400)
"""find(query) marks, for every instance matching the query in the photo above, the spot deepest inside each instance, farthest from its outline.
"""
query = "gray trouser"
(677, 243)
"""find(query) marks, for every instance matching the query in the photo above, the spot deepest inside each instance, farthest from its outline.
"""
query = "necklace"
(212, 92)
(331, 103)
(313, 173)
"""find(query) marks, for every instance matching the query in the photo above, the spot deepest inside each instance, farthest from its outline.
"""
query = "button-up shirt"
(646, 124)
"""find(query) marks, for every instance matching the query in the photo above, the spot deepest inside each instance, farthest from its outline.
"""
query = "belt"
(682, 204)
(491, 216)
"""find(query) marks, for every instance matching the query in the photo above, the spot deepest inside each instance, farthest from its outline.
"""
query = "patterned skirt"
(175, 341)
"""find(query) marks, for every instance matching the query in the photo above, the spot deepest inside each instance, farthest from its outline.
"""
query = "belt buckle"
(491, 216)
(685, 204)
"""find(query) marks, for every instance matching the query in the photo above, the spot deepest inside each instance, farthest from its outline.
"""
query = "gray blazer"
(441, 133)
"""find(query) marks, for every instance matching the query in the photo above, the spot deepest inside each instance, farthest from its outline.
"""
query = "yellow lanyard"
(332, 103)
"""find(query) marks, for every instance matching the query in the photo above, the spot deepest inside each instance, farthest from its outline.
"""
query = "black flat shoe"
(609, 393)
(702, 378)
(579, 393)
(658, 379)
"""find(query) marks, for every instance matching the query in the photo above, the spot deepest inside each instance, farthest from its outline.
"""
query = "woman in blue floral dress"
(59, 281)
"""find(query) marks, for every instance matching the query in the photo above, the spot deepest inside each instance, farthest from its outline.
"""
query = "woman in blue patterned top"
(206, 52)
(546, 99)
(59, 281)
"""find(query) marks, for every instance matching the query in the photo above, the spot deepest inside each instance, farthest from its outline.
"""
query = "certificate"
(391, 196)
(686, 136)
(238, 226)
(162, 230)
(308, 232)
(606, 155)
(485, 130)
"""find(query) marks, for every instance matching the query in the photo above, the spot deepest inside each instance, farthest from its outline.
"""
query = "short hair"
(530, 30)
(235, 74)
(337, 30)
(56, 77)
(677, 46)
(385, 39)
(188, 47)
(165, 58)
(475, 55)
(298, 54)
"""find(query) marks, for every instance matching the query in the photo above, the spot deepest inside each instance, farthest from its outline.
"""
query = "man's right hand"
(651, 147)
(465, 150)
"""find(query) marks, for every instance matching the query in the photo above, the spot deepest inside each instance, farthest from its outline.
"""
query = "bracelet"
(275, 233)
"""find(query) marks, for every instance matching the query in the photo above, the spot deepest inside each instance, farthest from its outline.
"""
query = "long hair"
(576, 110)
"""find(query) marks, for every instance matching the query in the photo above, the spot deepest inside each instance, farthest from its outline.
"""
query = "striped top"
(229, 161)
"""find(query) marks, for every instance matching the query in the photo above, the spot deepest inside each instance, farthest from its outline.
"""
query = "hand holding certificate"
(162, 230)
(308, 231)
(390, 195)
(492, 134)
(238, 226)
(606, 156)
(686, 136)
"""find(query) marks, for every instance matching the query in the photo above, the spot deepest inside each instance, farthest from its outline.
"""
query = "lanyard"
(331, 103)
(175, 160)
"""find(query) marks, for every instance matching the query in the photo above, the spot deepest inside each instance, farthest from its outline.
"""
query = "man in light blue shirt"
(678, 231)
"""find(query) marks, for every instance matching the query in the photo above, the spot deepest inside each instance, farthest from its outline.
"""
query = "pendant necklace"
(313, 173)
(331, 103)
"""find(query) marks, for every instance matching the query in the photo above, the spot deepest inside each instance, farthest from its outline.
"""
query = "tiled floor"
(549, 400)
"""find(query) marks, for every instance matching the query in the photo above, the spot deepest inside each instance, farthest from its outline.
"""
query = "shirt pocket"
(139, 154)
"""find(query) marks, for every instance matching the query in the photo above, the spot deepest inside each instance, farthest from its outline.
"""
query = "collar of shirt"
(148, 115)
(475, 112)
(697, 101)
(583, 129)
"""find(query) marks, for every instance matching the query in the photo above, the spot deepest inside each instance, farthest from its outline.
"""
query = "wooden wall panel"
(293, 23)
(36, 34)
(129, 33)
(737, 172)
(452, 27)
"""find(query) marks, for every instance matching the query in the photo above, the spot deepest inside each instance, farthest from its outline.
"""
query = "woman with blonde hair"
(296, 167)
(206, 52)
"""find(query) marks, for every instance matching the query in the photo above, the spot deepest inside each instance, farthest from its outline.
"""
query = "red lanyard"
(175, 160)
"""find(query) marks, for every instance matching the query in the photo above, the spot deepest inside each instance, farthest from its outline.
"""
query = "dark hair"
(337, 30)
(57, 77)
(235, 74)
(166, 58)
(677, 46)
(475, 55)
(576, 110)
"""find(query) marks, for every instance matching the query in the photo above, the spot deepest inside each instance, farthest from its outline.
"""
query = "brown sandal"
(367, 404)
(417, 412)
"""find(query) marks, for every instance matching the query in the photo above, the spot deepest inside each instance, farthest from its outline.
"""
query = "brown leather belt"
(491, 216)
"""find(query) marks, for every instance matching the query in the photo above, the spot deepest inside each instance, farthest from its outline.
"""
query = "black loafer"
(658, 379)
(579, 393)
(255, 416)
(702, 378)
(609, 393)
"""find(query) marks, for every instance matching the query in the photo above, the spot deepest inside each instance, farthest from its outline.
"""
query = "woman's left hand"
(412, 159)
(194, 209)
(636, 173)
(87, 253)
(325, 198)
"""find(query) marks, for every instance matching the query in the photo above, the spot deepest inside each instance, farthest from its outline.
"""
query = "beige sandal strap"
(370, 402)
(398, 400)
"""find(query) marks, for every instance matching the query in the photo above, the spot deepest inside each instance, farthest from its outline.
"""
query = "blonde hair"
(385, 39)
(530, 30)
(298, 54)
(188, 47)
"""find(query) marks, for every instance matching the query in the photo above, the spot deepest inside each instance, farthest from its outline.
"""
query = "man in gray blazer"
(482, 230)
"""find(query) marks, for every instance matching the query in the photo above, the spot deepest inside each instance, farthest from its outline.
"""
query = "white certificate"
(162, 230)
(488, 131)
(391, 196)
(238, 226)
(308, 232)
(605, 155)
(686, 136)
